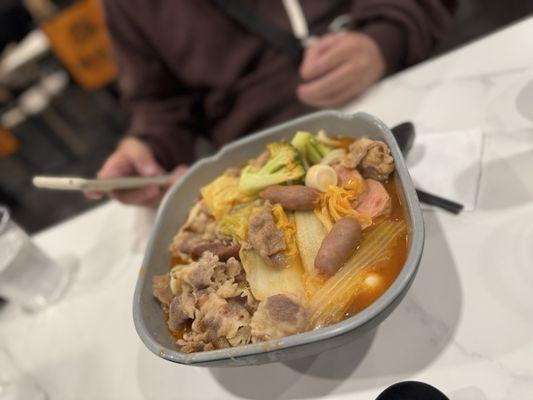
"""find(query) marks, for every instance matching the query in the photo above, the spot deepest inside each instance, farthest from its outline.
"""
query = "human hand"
(339, 67)
(133, 158)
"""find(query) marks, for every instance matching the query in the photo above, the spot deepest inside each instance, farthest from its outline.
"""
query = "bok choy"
(267, 280)
(309, 236)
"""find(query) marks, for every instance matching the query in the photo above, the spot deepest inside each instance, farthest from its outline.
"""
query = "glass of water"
(28, 276)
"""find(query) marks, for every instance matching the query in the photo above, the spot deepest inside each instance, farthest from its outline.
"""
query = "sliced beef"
(180, 311)
(224, 249)
(199, 275)
(263, 234)
(214, 295)
(249, 301)
(375, 201)
(371, 157)
(278, 316)
(198, 235)
(278, 259)
(185, 241)
(234, 269)
(161, 288)
(233, 316)
(217, 324)
(228, 289)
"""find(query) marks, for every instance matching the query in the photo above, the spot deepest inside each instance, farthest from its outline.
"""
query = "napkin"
(448, 164)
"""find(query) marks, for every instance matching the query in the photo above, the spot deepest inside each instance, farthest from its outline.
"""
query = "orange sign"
(79, 39)
(8, 143)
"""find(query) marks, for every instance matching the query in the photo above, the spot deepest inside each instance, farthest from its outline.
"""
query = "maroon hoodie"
(187, 70)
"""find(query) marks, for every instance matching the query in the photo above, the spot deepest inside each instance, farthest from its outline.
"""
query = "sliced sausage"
(375, 201)
(293, 197)
(338, 245)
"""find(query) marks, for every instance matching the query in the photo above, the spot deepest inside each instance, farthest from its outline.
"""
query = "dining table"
(465, 325)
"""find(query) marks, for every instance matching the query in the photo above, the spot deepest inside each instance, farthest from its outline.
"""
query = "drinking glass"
(28, 276)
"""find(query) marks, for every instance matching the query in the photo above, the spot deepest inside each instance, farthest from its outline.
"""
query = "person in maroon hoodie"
(186, 69)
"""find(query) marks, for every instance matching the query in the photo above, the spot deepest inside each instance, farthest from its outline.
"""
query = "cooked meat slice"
(242, 336)
(181, 310)
(194, 276)
(375, 201)
(201, 276)
(346, 175)
(218, 322)
(371, 157)
(199, 229)
(233, 268)
(184, 242)
(278, 316)
(250, 303)
(263, 234)
(207, 318)
(215, 296)
(278, 259)
(282, 308)
(193, 342)
(233, 316)
(203, 334)
(229, 289)
(223, 249)
(161, 288)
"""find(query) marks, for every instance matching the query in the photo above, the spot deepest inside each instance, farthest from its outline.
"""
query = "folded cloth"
(448, 164)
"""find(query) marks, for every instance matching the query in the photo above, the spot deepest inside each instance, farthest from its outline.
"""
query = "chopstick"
(298, 22)
(440, 202)
(100, 185)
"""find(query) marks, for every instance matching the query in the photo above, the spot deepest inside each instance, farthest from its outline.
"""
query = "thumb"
(144, 161)
(178, 173)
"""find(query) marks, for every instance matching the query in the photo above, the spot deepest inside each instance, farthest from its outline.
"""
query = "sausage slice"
(293, 197)
(338, 245)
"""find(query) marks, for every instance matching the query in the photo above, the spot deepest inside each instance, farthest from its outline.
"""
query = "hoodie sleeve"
(405, 30)
(159, 106)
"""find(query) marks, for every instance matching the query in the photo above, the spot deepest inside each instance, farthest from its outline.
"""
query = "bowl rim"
(401, 282)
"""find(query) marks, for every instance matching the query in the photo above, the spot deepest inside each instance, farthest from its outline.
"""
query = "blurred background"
(59, 106)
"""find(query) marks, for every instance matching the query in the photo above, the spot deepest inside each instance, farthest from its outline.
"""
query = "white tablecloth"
(465, 326)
